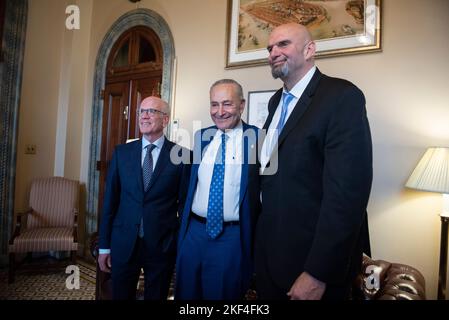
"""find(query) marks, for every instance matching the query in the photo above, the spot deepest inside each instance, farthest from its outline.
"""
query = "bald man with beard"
(313, 227)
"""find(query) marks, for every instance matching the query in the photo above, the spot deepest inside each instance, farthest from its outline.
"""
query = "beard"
(280, 71)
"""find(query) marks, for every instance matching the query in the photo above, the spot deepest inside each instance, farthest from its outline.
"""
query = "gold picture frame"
(339, 27)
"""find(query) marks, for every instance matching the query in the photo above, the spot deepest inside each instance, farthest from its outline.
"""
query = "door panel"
(114, 127)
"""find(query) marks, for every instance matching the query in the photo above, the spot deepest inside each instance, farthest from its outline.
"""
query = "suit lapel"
(202, 144)
(136, 157)
(302, 105)
(247, 144)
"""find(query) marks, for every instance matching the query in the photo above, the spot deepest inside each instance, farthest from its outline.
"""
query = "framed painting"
(337, 26)
(258, 107)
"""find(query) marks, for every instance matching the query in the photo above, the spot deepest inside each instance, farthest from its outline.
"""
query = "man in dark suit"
(215, 240)
(139, 223)
(313, 225)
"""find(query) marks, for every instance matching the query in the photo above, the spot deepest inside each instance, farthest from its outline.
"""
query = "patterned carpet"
(48, 283)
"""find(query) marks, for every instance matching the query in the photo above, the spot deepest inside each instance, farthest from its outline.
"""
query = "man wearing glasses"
(139, 221)
(215, 240)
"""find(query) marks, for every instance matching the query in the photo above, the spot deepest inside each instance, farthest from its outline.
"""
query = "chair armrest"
(18, 225)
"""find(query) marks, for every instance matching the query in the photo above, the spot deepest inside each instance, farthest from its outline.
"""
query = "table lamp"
(432, 174)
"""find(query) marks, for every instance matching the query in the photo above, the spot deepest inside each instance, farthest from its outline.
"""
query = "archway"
(138, 17)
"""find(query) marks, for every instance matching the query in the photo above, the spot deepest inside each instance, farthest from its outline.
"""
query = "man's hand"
(307, 287)
(104, 261)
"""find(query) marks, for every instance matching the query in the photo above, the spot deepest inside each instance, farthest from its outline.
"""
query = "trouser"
(157, 274)
(209, 269)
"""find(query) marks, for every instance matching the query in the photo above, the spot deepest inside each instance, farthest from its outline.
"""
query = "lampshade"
(432, 172)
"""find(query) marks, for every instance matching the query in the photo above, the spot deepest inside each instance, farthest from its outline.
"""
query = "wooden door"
(114, 128)
(134, 72)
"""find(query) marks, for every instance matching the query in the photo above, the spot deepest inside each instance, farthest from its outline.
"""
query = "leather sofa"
(383, 280)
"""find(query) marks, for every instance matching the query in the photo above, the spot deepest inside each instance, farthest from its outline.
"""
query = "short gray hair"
(229, 81)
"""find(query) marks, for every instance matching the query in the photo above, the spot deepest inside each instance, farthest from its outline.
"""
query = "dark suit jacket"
(314, 208)
(248, 205)
(125, 202)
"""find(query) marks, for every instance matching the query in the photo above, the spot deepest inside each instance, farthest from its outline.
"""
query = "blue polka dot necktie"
(286, 99)
(214, 224)
(147, 171)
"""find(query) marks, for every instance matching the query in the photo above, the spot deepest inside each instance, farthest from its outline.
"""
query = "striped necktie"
(147, 167)
(147, 171)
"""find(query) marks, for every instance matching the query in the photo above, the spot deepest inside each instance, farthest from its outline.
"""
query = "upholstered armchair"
(51, 221)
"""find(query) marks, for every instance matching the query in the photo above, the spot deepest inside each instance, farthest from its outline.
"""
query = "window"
(121, 58)
(146, 51)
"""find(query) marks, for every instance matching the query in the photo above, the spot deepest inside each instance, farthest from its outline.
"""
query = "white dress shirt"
(272, 134)
(155, 153)
(232, 177)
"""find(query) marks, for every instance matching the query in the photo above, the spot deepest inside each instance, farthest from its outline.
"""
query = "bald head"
(295, 29)
(151, 102)
(291, 53)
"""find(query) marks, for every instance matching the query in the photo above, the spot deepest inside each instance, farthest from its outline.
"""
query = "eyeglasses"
(150, 112)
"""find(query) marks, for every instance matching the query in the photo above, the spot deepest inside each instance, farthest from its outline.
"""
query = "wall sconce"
(432, 174)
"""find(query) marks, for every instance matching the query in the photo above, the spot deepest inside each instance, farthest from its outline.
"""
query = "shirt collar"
(301, 85)
(158, 143)
(231, 133)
